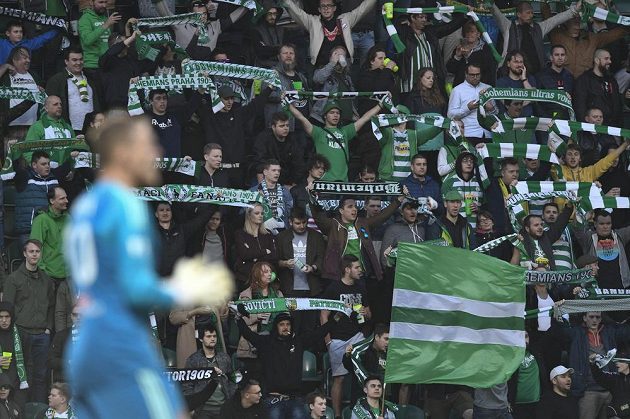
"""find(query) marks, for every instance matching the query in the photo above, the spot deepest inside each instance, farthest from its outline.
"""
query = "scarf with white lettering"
(201, 194)
(211, 68)
(183, 19)
(558, 97)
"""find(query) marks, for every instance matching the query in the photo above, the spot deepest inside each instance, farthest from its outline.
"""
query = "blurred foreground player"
(115, 369)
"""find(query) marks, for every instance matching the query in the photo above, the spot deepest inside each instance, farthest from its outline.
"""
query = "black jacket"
(315, 250)
(57, 351)
(618, 385)
(282, 357)
(549, 237)
(480, 56)
(232, 409)
(289, 153)
(379, 80)
(8, 408)
(593, 91)
(7, 345)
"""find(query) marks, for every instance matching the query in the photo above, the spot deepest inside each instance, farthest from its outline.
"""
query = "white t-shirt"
(24, 81)
(544, 319)
(76, 107)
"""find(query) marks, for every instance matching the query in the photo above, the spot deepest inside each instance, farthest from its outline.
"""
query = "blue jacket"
(610, 335)
(428, 188)
(32, 44)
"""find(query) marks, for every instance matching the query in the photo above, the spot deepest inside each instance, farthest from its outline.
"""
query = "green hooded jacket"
(48, 229)
(94, 37)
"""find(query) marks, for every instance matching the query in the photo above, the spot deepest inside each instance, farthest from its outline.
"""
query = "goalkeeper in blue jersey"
(115, 369)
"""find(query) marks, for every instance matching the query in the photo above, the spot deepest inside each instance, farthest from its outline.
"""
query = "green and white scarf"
(184, 19)
(561, 126)
(146, 42)
(590, 11)
(576, 276)
(22, 93)
(384, 98)
(528, 151)
(211, 68)
(19, 358)
(400, 46)
(248, 4)
(81, 85)
(357, 188)
(200, 194)
(387, 120)
(280, 305)
(59, 151)
(176, 82)
(559, 97)
(38, 18)
(583, 189)
(493, 244)
(166, 164)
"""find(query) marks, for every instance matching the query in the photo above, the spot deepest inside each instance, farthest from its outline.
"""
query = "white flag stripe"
(440, 302)
(507, 149)
(533, 151)
(425, 332)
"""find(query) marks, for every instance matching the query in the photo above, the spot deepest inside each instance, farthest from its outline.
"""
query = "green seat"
(34, 409)
(309, 367)
(170, 357)
(9, 194)
(330, 413)
(346, 413)
(409, 412)
(14, 255)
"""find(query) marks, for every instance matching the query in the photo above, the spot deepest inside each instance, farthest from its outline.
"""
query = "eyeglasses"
(474, 74)
(327, 6)
(259, 392)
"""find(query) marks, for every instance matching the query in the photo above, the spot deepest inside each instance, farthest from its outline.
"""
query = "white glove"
(432, 203)
(554, 141)
(196, 283)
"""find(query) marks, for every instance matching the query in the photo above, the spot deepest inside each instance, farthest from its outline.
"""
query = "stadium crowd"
(300, 244)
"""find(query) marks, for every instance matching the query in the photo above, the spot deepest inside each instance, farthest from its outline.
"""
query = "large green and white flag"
(455, 323)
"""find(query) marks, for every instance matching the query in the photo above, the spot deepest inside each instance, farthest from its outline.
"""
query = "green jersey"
(333, 143)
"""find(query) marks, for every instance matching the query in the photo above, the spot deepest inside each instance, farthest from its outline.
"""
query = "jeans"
(287, 409)
(593, 404)
(37, 347)
(362, 41)
(483, 413)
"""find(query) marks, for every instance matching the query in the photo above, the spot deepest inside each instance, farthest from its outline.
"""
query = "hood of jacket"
(7, 306)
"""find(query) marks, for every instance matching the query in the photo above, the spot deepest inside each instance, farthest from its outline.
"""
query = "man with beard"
(517, 77)
(559, 403)
(267, 36)
(599, 89)
(562, 248)
(608, 246)
(573, 171)
(208, 356)
(94, 30)
(408, 230)
(555, 76)
(465, 183)
(538, 241)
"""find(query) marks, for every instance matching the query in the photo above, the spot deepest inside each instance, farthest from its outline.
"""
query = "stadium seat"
(330, 413)
(346, 413)
(170, 357)
(409, 412)
(309, 367)
(34, 409)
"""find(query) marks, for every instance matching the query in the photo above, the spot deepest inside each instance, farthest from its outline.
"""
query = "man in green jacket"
(48, 229)
(94, 30)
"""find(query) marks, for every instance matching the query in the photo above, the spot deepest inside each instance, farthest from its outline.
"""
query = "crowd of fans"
(327, 246)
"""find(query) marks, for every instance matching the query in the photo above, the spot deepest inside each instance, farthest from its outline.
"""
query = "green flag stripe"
(459, 318)
(441, 302)
(412, 362)
(431, 333)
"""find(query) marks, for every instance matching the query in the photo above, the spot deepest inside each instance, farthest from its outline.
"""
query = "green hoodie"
(48, 229)
(94, 37)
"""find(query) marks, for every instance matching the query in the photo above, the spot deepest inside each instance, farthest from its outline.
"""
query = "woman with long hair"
(376, 76)
(252, 244)
(427, 96)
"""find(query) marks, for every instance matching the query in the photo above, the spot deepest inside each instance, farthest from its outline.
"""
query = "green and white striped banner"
(146, 41)
(583, 189)
(559, 97)
(201, 194)
(594, 202)
(59, 151)
(171, 82)
(384, 98)
(590, 11)
(528, 151)
(211, 68)
(561, 126)
(445, 329)
(493, 244)
(183, 19)
(22, 93)
(387, 120)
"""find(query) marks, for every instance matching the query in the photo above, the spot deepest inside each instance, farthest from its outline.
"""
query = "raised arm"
(299, 15)
(366, 117)
(502, 22)
(308, 127)
(548, 24)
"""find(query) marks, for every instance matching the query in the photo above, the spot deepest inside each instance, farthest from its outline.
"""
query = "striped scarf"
(82, 85)
(184, 19)
(560, 126)
(559, 97)
(208, 68)
(22, 93)
(383, 97)
(590, 11)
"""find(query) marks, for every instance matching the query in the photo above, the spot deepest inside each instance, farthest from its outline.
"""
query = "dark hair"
(347, 261)
(555, 46)
(270, 162)
(508, 102)
(279, 117)
(468, 27)
(508, 161)
(318, 160)
(89, 118)
(593, 108)
(52, 191)
(550, 204)
(206, 327)
(15, 51)
(366, 168)
(372, 198)
(380, 329)
(599, 213)
(154, 92)
(298, 213)
(521, 6)
(372, 378)
(472, 64)
(311, 397)
(574, 147)
(32, 241)
(432, 96)
(527, 220)
(211, 146)
(218, 51)
(343, 199)
(419, 156)
(72, 49)
(484, 213)
(509, 57)
(371, 55)
(13, 24)
(38, 155)
(247, 383)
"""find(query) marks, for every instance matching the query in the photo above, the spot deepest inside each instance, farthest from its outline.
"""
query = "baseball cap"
(453, 196)
(584, 260)
(559, 370)
(330, 105)
(226, 91)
